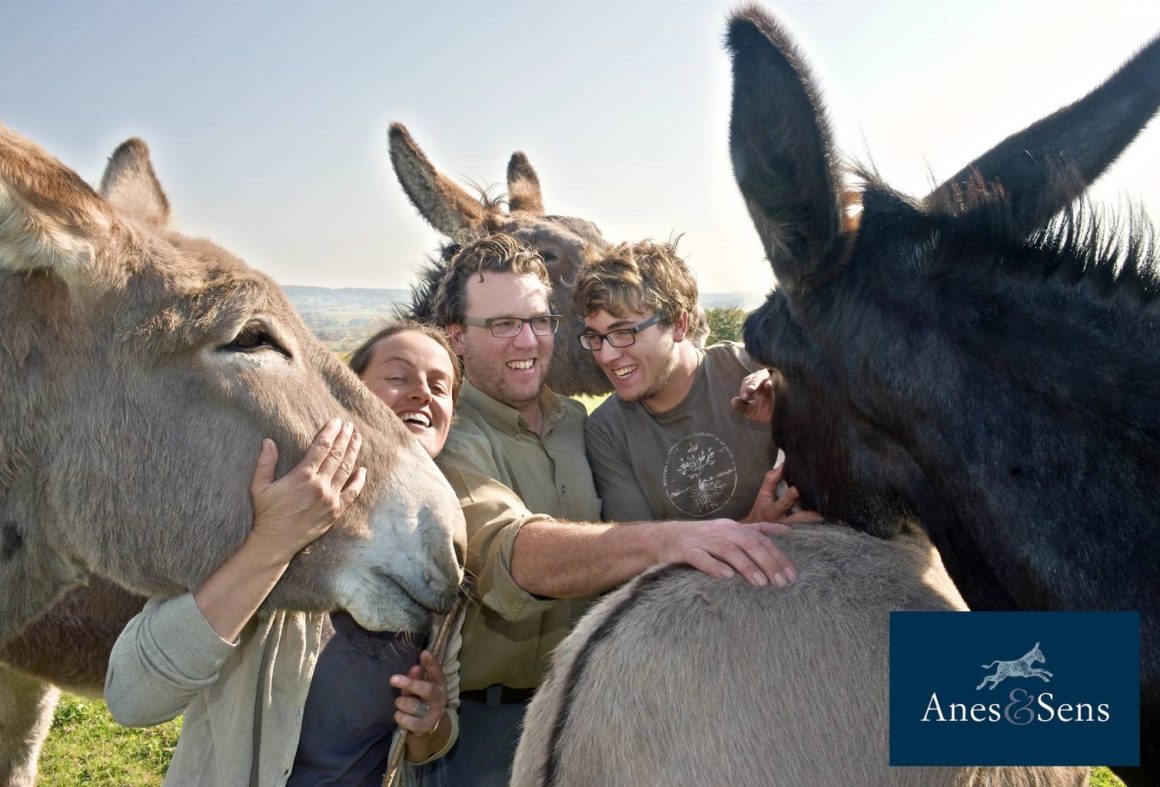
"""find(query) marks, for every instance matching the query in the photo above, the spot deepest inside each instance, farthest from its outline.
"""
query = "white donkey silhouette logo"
(1019, 668)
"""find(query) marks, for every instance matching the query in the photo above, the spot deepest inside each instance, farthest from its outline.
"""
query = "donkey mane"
(1109, 256)
(982, 280)
(1084, 247)
(420, 306)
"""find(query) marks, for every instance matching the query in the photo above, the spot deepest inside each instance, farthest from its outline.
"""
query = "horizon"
(742, 296)
(268, 124)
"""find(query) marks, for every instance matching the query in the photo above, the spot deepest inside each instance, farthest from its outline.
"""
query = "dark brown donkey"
(979, 360)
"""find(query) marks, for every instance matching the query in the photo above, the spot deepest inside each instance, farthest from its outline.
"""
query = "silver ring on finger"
(421, 709)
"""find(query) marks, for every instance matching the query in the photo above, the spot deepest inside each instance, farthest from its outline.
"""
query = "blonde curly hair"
(640, 276)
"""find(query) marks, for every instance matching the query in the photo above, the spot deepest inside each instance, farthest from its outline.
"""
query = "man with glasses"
(675, 441)
(536, 547)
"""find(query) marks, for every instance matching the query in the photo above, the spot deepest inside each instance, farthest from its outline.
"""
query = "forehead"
(413, 348)
(602, 320)
(504, 294)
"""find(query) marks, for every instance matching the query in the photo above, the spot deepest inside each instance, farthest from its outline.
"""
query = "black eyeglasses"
(507, 327)
(621, 337)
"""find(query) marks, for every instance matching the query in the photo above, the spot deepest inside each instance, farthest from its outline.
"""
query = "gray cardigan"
(242, 702)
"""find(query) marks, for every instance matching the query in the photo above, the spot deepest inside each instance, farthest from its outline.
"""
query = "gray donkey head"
(139, 370)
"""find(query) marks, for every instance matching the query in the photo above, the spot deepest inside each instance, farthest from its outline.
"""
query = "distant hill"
(342, 317)
(342, 297)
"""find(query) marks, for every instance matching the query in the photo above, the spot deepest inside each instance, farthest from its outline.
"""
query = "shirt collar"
(507, 418)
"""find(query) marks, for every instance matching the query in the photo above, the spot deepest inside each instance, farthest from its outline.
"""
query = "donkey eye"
(254, 337)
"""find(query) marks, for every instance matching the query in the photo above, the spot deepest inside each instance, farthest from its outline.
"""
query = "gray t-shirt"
(700, 460)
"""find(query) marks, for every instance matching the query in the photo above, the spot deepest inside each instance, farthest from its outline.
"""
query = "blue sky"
(267, 121)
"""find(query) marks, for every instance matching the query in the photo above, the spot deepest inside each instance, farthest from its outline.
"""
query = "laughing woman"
(352, 708)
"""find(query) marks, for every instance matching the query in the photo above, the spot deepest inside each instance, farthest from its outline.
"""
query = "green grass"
(590, 402)
(86, 747)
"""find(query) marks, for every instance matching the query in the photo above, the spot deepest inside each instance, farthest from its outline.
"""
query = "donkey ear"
(130, 185)
(523, 186)
(445, 206)
(783, 158)
(49, 218)
(1048, 164)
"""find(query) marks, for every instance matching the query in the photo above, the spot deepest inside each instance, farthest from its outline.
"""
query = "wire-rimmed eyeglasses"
(507, 327)
(621, 337)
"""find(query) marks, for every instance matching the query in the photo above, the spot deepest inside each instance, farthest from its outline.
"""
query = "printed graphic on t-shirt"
(700, 474)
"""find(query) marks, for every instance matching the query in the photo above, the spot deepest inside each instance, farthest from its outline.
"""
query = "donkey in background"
(139, 370)
(963, 363)
(564, 242)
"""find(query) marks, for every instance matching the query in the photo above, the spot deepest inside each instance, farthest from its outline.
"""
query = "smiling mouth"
(521, 366)
(624, 371)
(416, 419)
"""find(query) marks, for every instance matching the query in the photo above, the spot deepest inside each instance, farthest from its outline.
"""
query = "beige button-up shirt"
(502, 472)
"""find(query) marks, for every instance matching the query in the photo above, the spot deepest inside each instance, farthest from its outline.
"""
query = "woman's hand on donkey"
(295, 510)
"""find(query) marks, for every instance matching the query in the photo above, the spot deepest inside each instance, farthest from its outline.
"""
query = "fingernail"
(759, 579)
(396, 680)
(727, 573)
(791, 574)
(780, 579)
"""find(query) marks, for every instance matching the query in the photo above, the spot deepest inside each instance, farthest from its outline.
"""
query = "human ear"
(455, 334)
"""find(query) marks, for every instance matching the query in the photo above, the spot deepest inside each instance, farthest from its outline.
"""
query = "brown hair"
(638, 277)
(361, 357)
(498, 253)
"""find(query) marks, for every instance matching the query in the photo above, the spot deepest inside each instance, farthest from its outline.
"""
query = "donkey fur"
(139, 371)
